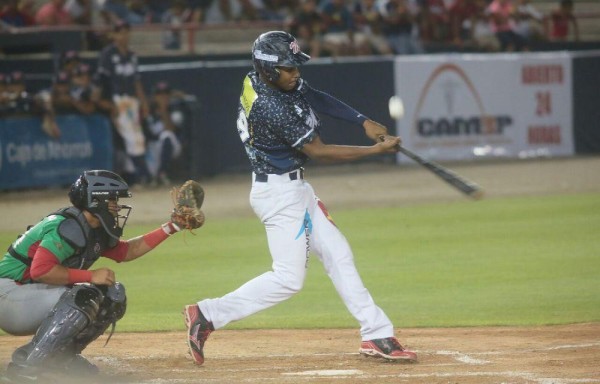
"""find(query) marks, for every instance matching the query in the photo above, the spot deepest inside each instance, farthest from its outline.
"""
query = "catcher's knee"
(114, 304)
(112, 308)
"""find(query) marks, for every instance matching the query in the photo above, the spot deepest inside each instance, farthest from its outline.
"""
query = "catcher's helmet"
(92, 191)
(276, 49)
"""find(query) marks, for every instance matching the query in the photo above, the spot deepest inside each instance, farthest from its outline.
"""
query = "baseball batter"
(279, 124)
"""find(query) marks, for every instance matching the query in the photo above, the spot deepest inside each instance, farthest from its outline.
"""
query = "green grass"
(511, 261)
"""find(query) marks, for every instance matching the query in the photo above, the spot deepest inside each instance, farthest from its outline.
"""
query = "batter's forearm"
(339, 153)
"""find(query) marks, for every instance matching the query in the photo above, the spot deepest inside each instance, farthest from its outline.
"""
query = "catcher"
(47, 286)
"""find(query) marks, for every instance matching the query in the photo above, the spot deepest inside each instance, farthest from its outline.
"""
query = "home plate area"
(566, 354)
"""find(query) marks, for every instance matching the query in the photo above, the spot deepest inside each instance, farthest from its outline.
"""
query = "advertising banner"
(29, 158)
(469, 106)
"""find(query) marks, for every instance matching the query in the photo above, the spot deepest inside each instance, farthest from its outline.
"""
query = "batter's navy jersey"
(117, 73)
(274, 125)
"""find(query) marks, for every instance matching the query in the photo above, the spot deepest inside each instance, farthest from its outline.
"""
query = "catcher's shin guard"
(111, 310)
(76, 309)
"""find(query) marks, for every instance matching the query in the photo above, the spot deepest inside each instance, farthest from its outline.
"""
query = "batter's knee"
(291, 281)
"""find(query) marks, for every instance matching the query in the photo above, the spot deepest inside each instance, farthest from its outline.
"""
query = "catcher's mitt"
(188, 200)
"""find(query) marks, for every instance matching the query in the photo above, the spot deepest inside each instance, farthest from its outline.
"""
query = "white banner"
(486, 105)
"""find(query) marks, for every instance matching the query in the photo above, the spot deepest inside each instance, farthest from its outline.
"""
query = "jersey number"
(242, 126)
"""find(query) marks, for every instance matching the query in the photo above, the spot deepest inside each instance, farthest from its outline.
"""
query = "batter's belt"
(298, 174)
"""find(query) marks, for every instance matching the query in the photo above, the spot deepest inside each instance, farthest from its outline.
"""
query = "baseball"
(396, 107)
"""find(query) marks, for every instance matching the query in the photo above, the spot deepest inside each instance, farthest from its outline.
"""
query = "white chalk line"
(326, 372)
(463, 358)
(553, 348)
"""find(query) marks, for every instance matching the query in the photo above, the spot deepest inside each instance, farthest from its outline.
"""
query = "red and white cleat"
(388, 348)
(198, 331)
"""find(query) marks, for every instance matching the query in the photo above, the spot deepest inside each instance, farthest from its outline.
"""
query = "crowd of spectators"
(147, 129)
(77, 88)
(327, 27)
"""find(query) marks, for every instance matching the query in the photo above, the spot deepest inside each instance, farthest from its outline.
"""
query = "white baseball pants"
(297, 222)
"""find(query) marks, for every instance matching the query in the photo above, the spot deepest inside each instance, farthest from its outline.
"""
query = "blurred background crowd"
(325, 27)
(147, 121)
(154, 122)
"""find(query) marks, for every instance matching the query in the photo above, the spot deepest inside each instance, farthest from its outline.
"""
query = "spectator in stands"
(219, 11)
(28, 7)
(434, 21)
(18, 101)
(53, 14)
(369, 23)
(12, 15)
(68, 61)
(120, 93)
(307, 25)
(529, 21)
(462, 13)
(502, 22)
(164, 145)
(339, 28)
(174, 17)
(71, 92)
(139, 12)
(248, 9)
(80, 11)
(276, 10)
(401, 29)
(81, 89)
(156, 9)
(559, 22)
(482, 34)
(60, 94)
(3, 96)
(195, 11)
(114, 12)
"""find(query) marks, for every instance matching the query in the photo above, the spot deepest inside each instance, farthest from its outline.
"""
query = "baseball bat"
(465, 186)
(396, 109)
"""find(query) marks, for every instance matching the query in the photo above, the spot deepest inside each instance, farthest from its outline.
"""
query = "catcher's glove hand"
(188, 200)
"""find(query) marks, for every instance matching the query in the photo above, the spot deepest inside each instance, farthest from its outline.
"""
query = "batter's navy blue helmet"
(276, 49)
(92, 191)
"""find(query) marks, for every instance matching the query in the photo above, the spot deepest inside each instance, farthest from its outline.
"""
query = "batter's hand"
(103, 276)
(374, 130)
(389, 144)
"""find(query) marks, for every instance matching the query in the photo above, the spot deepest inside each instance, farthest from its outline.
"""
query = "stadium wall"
(213, 146)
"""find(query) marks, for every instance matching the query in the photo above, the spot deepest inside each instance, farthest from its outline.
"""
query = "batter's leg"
(289, 256)
(332, 248)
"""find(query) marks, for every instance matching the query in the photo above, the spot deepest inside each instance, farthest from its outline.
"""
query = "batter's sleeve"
(325, 103)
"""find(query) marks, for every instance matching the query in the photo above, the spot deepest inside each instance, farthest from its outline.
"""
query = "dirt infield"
(566, 354)
(544, 355)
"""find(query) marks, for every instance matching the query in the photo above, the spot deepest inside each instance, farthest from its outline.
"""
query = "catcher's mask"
(276, 49)
(94, 190)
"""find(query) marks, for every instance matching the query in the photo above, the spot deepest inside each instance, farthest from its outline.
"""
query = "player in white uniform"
(279, 126)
